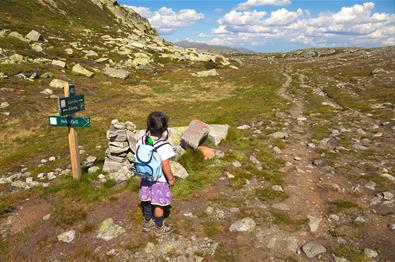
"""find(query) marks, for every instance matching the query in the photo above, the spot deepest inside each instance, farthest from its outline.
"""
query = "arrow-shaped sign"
(70, 121)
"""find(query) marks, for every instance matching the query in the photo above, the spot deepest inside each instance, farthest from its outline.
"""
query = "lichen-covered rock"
(57, 83)
(79, 70)
(178, 170)
(34, 36)
(244, 225)
(109, 230)
(116, 73)
(208, 73)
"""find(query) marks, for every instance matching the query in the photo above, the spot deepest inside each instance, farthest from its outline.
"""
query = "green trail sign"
(68, 105)
(71, 104)
(69, 121)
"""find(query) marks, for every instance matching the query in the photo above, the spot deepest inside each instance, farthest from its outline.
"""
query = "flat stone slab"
(217, 133)
(195, 133)
(244, 225)
(109, 230)
(178, 170)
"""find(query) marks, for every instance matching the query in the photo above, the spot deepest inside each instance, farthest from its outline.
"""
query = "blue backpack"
(147, 162)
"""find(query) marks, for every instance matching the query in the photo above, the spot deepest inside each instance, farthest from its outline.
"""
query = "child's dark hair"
(157, 123)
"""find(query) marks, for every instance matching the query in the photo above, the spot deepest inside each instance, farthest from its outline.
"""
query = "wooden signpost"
(68, 106)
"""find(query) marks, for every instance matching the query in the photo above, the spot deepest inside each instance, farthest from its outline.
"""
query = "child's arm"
(167, 171)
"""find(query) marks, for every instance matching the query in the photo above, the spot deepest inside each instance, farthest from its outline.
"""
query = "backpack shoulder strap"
(159, 146)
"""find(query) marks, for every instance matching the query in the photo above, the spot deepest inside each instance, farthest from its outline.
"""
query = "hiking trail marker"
(68, 106)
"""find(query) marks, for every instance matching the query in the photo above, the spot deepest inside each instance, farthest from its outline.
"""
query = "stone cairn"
(122, 139)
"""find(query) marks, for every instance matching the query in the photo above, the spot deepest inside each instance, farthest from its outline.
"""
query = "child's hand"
(172, 181)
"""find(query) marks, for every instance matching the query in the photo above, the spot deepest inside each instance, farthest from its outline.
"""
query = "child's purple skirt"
(158, 193)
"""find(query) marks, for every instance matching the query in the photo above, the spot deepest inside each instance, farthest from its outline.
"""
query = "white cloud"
(166, 20)
(355, 25)
(251, 3)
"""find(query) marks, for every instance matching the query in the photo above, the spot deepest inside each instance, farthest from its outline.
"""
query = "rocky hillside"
(299, 157)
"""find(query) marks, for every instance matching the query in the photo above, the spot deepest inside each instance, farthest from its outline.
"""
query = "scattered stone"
(93, 169)
(90, 53)
(69, 51)
(229, 175)
(217, 133)
(116, 73)
(90, 161)
(280, 206)
(311, 145)
(296, 158)
(111, 252)
(51, 159)
(244, 225)
(58, 63)
(109, 230)
(391, 226)
(277, 150)
(371, 185)
(277, 188)
(387, 195)
(208, 73)
(360, 220)
(313, 249)
(149, 248)
(3, 76)
(37, 47)
(46, 75)
(195, 133)
(279, 135)
(207, 152)
(334, 217)
(47, 92)
(388, 176)
(178, 170)
(18, 36)
(370, 253)
(236, 164)
(46, 217)
(67, 236)
(243, 127)
(318, 162)
(20, 184)
(34, 36)
(4, 105)
(314, 223)
(79, 70)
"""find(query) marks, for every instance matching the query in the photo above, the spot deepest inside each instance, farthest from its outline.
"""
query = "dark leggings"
(148, 213)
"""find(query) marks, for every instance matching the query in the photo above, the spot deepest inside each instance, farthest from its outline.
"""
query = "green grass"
(201, 172)
(267, 194)
(350, 252)
(345, 100)
(224, 253)
(66, 214)
(282, 219)
(340, 205)
(211, 228)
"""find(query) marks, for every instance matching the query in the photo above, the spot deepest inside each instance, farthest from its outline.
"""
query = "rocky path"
(302, 177)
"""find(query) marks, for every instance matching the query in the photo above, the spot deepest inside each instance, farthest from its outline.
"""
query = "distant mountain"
(206, 47)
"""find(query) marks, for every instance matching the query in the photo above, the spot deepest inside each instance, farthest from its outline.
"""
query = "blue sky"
(273, 25)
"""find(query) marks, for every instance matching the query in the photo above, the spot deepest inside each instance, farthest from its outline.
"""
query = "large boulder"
(195, 133)
(217, 133)
(116, 73)
(58, 63)
(79, 70)
(178, 170)
(67, 236)
(34, 36)
(57, 83)
(208, 73)
(244, 225)
(109, 230)
(312, 249)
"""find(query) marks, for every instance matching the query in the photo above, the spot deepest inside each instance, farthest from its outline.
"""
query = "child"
(156, 195)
